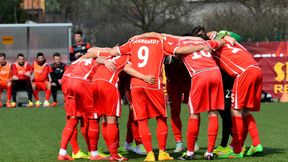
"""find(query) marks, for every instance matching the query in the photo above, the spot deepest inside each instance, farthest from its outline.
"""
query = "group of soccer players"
(31, 78)
(90, 88)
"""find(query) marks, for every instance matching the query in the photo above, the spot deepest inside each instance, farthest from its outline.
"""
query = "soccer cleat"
(179, 147)
(243, 149)
(129, 147)
(13, 104)
(98, 157)
(80, 155)
(185, 157)
(163, 155)
(30, 104)
(64, 157)
(209, 156)
(231, 155)
(54, 104)
(46, 103)
(254, 150)
(150, 156)
(140, 150)
(8, 104)
(220, 150)
(38, 103)
(117, 158)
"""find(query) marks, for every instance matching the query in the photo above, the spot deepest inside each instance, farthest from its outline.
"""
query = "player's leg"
(93, 134)
(212, 133)
(29, 90)
(71, 123)
(251, 127)
(35, 94)
(8, 93)
(192, 134)
(47, 89)
(132, 134)
(54, 88)
(84, 123)
(175, 96)
(1, 96)
(15, 84)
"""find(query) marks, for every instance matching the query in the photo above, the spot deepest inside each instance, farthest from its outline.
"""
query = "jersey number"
(234, 49)
(197, 55)
(143, 55)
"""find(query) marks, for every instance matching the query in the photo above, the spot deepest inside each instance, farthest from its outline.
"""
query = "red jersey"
(234, 59)
(105, 74)
(5, 72)
(81, 69)
(147, 56)
(41, 72)
(199, 61)
(20, 71)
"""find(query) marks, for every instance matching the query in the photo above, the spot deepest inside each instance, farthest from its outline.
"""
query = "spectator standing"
(79, 48)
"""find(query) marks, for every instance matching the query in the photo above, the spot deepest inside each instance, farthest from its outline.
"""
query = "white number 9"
(143, 54)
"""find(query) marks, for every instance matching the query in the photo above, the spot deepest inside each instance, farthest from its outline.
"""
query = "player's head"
(2, 58)
(40, 58)
(20, 59)
(78, 36)
(57, 58)
(199, 31)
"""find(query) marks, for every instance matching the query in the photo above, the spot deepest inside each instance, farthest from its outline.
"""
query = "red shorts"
(3, 85)
(148, 103)
(41, 85)
(206, 92)
(247, 89)
(78, 98)
(106, 99)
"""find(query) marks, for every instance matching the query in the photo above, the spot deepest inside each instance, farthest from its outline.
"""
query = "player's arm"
(95, 52)
(131, 71)
(109, 64)
(184, 50)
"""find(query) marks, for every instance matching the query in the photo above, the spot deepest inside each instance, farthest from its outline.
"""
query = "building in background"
(35, 9)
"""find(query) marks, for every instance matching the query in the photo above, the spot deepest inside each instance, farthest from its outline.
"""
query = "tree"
(11, 11)
(148, 15)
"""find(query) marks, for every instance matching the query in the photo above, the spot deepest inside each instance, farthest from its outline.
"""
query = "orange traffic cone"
(284, 97)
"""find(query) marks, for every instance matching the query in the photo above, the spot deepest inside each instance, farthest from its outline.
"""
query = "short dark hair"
(57, 54)
(78, 32)
(20, 55)
(3, 55)
(40, 54)
(197, 29)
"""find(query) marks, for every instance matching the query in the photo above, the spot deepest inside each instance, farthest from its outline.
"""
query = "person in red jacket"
(21, 73)
(41, 79)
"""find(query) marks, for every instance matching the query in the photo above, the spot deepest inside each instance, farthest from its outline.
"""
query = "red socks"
(251, 126)
(192, 133)
(35, 94)
(161, 132)
(212, 132)
(9, 93)
(132, 130)
(145, 134)
(73, 141)
(84, 131)
(47, 94)
(112, 138)
(68, 130)
(93, 134)
(237, 133)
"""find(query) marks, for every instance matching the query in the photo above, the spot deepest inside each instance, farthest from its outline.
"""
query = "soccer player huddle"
(90, 90)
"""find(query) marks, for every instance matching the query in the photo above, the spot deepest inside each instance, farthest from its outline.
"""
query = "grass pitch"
(34, 134)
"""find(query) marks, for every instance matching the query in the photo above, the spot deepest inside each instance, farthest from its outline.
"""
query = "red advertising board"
(273, 60)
